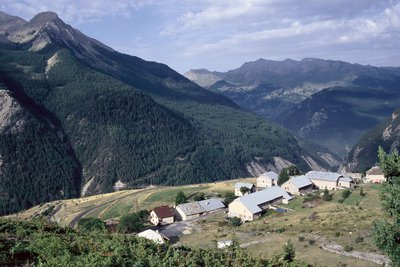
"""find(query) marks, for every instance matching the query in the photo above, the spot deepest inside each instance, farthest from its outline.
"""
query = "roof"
(324, 176)
(211, 204)
(252, 201)
(163, 212)
(153, 236)
(240, 185)
(190, 208)
(270, 175)
(300, 181)
(375, 171)
(345, 179)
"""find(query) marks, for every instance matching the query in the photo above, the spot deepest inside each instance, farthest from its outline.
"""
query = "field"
(347, 224)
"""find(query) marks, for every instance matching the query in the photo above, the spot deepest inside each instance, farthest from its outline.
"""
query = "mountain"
(387, 135)
(331, 102)
(88, 116)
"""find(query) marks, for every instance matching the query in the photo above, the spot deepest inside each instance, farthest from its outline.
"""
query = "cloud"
(74, 11)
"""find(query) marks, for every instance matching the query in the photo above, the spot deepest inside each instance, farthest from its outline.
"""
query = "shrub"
(180, 198)
(91, 224)
(199, 196)
(359, 239)
(289, 252)
(301, 238)
(235, 221)
(311, 242)
(130, 223)
(327, 196)
(229, 196)
(337, 234)
(346, 193)
(313, 216)
(362, 193)
(280, 230)
(348, 248)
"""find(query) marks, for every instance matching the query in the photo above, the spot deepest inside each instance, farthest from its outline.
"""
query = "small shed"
(224, 243)
(154, 236)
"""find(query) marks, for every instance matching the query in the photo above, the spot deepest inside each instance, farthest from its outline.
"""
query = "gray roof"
(252, 201)
(190, 208)
(211, 204)
(270, 175)
(324, 176)
(248, 185)
(345, 179)
(301, 181)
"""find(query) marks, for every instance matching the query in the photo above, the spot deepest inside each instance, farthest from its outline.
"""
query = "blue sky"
(223, 34)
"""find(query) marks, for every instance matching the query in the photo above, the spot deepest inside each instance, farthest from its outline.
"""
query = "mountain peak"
(45, 17)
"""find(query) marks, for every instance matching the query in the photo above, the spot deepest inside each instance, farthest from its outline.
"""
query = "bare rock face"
(11, 113)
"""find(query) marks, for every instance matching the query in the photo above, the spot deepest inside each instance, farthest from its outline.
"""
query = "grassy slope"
(349, 219)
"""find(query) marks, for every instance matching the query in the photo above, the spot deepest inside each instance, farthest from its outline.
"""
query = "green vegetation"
(387, 232)
(133, 222)
(91, 224)
(235, 221)
(39, 243)
(289, 252)
(229, 196)
(326, 196)
(180, 198)
(244, 190)
(285, 174)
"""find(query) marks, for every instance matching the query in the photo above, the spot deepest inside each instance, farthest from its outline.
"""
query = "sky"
(223, 34)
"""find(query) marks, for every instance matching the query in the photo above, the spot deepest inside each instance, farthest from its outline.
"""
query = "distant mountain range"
(330, 102)
(387, 135)
(77, 116)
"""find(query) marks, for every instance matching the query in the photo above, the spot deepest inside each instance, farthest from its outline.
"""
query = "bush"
(235, 221)
(130, 223)
(362, 193)
(346, 193)
(313, 216)
(91, 224)
(301, 238)
(180, 198)
(311, 242)
(199, 196)
(289, 252)
(359, 239)
(348, 248)
(229, 197)
(327, 196)
(280, 230)
(337, 234)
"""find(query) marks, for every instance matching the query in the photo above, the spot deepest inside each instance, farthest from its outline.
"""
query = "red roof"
(163, 212)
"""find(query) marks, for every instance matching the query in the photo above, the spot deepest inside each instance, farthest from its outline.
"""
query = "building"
(375, 175)
(252, 206)
(329, 180)
(119, 185)
(267, 179)
(251, 188)
(298, 185)
(188, 211)
(162, 215)
(154, 236)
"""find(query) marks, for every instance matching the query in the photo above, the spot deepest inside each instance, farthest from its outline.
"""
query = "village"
(252, 201)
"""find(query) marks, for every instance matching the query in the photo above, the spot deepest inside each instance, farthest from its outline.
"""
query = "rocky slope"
(118, 117)
(387, 135)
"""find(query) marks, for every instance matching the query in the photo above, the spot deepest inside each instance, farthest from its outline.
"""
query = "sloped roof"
(324, 176)
(375, 171)
(211, 204)
(252, 201)
(163, 212)
(269, 175)
(301, 181)
(240, 185)
(153, 236)
(191, 208)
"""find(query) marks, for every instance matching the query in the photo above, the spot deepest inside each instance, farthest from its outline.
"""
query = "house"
(298, 185)
(154, 236)
(224, 243)
(119, 185)
(329, 180)
(211, 205)
(162, 215)
(188, 211)
(251, 188)
(375, 175)
(267, 179)
(252, 206)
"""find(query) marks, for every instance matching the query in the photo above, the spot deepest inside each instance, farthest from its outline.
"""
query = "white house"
(329, 180)
(251, 188)
(154, 236)
(162, 215)
(375, 175)
(251, 206)
(298, 185)
(267, 179)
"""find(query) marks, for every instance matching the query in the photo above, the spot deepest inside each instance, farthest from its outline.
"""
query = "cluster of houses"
(253, 200)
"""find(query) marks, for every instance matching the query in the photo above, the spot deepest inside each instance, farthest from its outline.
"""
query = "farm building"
(298, 185)
(375, 175)
(251, 188)
(154, 236)
(329, 180)
(267, 179)
(251, 206)
(162, 215)
(188, 211)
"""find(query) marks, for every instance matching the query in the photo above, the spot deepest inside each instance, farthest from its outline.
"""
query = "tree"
(229, 197)
(283, 176)
(327, 196)
(292, 170)
(235, 221)
(199, 196)
(289, 252)
(244, 190)
(91, 224)
(387, 232)
(180, 198)
(130, 223)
